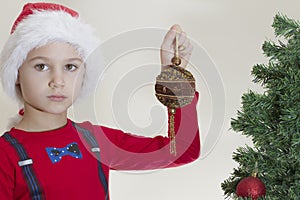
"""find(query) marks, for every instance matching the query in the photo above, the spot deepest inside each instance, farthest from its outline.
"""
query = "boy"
(46, 155)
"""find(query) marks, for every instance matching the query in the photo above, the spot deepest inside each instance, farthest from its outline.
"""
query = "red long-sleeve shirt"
(77, 178)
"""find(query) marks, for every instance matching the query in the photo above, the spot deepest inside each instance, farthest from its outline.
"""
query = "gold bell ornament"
(174, 88)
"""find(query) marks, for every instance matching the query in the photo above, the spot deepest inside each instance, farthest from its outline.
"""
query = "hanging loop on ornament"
(255, 171)
(176, 59)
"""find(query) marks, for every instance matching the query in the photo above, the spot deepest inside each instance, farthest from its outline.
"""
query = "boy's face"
(51, 78)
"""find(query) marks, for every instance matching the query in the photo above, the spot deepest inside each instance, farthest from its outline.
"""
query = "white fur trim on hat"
(38, 29)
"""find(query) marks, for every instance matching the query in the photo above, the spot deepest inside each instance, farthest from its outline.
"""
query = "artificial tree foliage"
(272, 118)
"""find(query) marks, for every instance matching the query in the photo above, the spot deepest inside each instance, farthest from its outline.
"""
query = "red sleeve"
(6, 176)
(125, 151)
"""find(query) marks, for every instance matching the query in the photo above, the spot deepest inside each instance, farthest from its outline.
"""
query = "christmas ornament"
(175, 88)
(251, 187)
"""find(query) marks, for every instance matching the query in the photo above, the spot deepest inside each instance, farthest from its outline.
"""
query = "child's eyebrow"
(38, 58)
(74, 59)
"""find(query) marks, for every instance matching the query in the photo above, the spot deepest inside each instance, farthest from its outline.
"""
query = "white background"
(231, 32)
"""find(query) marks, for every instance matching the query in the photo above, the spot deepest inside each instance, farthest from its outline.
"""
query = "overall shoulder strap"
(25, 163)
(90, 138)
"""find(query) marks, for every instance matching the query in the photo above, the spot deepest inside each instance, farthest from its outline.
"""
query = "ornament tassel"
(172, 132)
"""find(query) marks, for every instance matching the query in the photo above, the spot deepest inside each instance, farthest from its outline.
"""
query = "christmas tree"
(272, 119)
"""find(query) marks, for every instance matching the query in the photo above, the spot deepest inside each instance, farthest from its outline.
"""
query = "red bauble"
(251, 187)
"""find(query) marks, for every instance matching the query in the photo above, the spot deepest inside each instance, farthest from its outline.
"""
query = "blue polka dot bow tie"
(56, 154)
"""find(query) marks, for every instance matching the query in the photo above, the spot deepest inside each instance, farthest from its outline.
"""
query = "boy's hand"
(167, 50)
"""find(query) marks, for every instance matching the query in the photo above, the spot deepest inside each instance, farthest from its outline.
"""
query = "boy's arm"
(131, 152)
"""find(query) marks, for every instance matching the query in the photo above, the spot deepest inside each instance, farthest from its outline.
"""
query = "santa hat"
(37, 25)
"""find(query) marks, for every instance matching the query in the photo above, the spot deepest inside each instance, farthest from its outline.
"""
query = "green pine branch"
(284, 26)
(284, 52)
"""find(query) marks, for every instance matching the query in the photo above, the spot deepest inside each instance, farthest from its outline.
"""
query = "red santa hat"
(37, 25)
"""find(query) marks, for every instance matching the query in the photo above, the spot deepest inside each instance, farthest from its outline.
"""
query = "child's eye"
(70, 67)
(41, 67)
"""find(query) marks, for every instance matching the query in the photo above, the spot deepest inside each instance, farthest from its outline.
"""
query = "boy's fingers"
(176, 28)
(182, 39)
(168, 41)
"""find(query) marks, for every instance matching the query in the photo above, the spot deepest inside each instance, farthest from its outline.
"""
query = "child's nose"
(57, 80)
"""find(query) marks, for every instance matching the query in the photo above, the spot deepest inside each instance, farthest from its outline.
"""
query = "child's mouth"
(57, 98)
